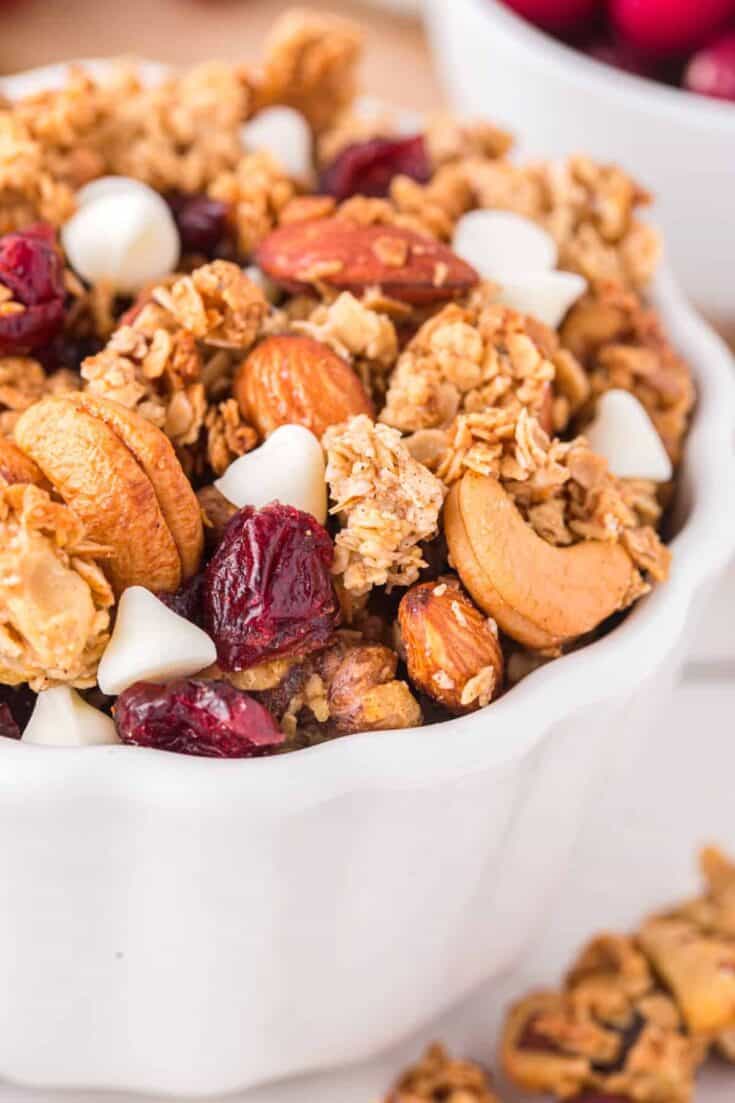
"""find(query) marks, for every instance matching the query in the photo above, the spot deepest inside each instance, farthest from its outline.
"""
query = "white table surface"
(664, 797)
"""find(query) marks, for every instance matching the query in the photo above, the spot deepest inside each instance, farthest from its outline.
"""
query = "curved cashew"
(121, 477)
(16, 467)
(539, 594)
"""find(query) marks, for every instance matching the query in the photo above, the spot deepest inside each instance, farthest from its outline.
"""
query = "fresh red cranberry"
(367, 168)
(202, 222)
(16, 706)
(621, 55)
(268, 588)
(32, 269)
(670, 26)
(187, 600)
(201, 718)
(711, 72)
(557, 15)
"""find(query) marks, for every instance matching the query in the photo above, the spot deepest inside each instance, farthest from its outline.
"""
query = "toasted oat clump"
(386, 502)
(23, 382)
(54, 597)
(468, 360)
(256, 191)
(589, 208)
(621, 344)
(439, 1078)
(28, 191)
(217, 304)
(310, 64)
(361, 336)
(155, 369)
(228, 434)
(452, 139)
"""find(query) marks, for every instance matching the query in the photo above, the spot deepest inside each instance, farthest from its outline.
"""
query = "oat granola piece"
(386, 503)
(611, 1029)
(54, 597)
(469, 360)
(217, 304)
(23, 382)
(589, 209)
(692, 948)
(450, 138)
(28, 192)
(620, 342)
(439, 1078)
(430, 209)
(257, 191)
(310, 63)
(229, 435)
(361, 336)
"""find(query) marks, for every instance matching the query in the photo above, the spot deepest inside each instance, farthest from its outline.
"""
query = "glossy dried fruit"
(187, 601)
(33, 272)
(199, 718)
(201, 221)
(16, 705)
(350, 257)
(452, 650)
(367, 168)
(298, 381)
(268, 589)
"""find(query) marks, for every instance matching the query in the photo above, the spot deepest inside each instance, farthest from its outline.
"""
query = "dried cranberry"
(16, 706)
(202, 222)
(367, 168)
(200, 718)
(32, 269)
(187, 600)
(268, 588)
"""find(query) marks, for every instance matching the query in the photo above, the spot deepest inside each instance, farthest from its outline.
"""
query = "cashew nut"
(539, 594)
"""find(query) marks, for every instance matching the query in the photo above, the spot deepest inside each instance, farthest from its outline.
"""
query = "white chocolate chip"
(288, 467)
(123, 232)
(285, 134)
(624, 434)
(151, 643)
(61, 718)
(503, 246)
(544, 295)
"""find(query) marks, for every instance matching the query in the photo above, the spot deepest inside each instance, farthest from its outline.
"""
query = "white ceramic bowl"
(558, 101)
(191, 926)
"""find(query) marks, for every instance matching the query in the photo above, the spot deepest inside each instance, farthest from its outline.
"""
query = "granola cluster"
(440, 1078)
(637, 1014)
(54, 598)
(320, 435)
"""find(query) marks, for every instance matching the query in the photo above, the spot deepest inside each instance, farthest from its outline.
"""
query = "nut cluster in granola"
(319, 340)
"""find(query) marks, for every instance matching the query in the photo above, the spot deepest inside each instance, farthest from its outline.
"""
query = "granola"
(439, 1078)
(391, 383)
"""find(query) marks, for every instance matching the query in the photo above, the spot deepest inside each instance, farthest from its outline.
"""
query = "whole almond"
(452, 650)
(350, 257)
(298, 381)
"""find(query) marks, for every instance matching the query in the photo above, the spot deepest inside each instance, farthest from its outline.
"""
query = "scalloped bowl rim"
(550, 53)
(514, 724)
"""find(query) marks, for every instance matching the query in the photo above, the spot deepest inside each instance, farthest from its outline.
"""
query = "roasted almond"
(350, 257)
(452, 649)
(298, 381)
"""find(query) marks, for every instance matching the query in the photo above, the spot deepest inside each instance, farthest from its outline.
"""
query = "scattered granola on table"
(637, 1014)
(258, 394)
(439, 1078)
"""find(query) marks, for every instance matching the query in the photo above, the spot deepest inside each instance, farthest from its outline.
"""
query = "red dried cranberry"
(268, 588)
(202, 222)
(187, 600)
(32, 269)
(367, 168)
(201, 718)
(16, 706)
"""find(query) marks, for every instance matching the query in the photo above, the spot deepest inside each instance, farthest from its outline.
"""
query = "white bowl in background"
(192, 926)
(558, 101)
